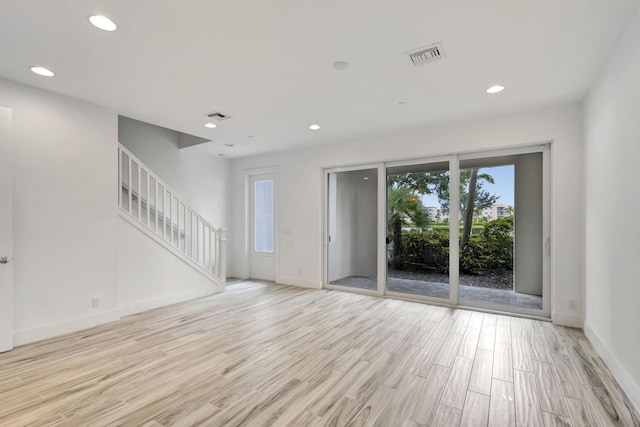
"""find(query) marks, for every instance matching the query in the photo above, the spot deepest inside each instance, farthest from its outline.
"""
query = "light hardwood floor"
(263, 354)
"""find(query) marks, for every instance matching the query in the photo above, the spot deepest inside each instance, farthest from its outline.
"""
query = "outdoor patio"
(441, 290)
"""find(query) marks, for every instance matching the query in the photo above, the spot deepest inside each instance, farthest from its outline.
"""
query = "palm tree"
(404, 209)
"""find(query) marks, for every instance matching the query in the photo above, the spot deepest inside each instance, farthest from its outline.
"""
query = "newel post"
(222, 232)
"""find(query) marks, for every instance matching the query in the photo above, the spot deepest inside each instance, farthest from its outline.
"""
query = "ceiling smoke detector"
(426, 54)
(218, 116)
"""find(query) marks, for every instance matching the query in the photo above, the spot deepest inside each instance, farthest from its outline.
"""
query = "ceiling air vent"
(218, 116)
(426, 54)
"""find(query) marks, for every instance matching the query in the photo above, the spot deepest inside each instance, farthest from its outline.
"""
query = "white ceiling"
(269, 63)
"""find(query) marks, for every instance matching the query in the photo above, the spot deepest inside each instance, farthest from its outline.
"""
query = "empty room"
(293, 213)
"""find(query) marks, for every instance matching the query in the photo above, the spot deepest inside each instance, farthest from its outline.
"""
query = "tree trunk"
(468, 210)
(397, 235)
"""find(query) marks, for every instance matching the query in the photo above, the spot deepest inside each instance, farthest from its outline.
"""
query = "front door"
(6, 232)
(262, 244)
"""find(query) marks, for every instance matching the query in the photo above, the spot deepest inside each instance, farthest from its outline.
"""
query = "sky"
(503, 187)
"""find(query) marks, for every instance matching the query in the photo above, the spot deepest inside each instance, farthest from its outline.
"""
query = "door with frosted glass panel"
(262, 238)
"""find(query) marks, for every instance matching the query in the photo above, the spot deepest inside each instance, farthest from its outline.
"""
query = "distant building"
(497, 210)
(436, 214)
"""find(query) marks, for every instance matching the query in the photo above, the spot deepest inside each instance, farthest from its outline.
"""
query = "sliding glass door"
(502, 254)
(468, 229)
(352, 220)
(418, 230)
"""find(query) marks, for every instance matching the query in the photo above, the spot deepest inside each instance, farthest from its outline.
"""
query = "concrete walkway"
(441, 290)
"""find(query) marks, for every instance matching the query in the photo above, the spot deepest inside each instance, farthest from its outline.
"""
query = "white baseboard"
(237, 275)
(26, 336)
(150, 304)
(630, 387)
(297, 281)
(570, 320)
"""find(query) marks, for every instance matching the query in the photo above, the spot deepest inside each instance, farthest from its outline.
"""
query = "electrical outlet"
(95, 302)
(573, 304)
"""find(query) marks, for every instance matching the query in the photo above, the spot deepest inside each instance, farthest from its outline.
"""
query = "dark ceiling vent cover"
(218, 116)
(426, 54)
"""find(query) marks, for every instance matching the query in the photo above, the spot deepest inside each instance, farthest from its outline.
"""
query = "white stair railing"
(158, 208)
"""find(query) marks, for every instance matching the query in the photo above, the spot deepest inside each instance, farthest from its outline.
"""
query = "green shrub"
(497, 238)
(397, 263)
(427, 250)
(489, 250)
(473, 259)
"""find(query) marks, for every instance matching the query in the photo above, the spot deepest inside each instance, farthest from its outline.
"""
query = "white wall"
(65, 228)
(150, 276)
(612, 159)
(301, 200)
(69, 244)
(201, 179)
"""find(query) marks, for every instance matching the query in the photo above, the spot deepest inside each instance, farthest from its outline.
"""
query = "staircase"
(152, 206)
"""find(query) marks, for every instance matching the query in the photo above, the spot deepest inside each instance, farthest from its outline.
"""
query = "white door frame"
(6, 230)
(249, 174)
(381, 210)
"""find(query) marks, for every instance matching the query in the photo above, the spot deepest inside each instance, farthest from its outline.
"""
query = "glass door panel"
(262, 249)
(418, 229)
(501, 232)
(353, 228)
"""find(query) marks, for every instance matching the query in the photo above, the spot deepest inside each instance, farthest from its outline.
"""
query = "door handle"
(4, 259)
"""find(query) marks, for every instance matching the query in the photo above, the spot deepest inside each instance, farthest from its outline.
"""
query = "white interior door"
(262, 242)
(6, 232)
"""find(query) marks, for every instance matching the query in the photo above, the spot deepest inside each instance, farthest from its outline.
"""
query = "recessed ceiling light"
(340, 65)
(314, 127)
(495, 89)
(250, 136)
(402, 103)
(228, 145)
(103, 22)
(221, 154)
(210, 125)
(41, 71)
(366, 178)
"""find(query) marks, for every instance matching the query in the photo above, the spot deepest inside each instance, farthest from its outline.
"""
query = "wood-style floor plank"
(554, 420)
(427, 397)
(582, 414)
(469, 342)
(528, 411)
(262, 354)
(503, 329)
(503, 362)
(502, 409)
(480, 380)
(522, 354)
(551, 398)
(455, 391)
(476, 410)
